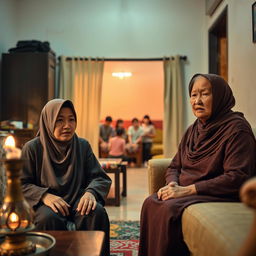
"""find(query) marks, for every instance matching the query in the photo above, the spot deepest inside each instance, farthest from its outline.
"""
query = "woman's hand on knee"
(86, 203)
(164, 189)
(177, 191)
(56, 203)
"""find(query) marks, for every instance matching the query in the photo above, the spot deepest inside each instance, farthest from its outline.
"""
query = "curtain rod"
(127, 59)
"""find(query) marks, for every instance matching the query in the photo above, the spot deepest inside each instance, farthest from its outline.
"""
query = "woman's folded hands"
(173, 190)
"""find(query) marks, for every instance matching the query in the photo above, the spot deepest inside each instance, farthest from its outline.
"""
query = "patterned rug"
(124, 238)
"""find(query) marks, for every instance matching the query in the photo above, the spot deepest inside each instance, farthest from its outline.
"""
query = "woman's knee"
(149, 201)
(97, 219)
(152, 203)
(46, 218)
(99, 211)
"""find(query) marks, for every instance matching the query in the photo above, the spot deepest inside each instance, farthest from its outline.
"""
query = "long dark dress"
(66, 169)
(90, 178)
(217, 157)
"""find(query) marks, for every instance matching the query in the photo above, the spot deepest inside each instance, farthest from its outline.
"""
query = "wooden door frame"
(213, 44)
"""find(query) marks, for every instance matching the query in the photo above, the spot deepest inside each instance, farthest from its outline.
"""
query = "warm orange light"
(11, 151)
(122, 75)
(13, 221)
(10, 142)
(24, 223)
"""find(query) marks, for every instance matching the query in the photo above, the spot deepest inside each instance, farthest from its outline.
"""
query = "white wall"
(118, 28)
(7, 29)
(7, 25)
(144, 28)
(241, 55)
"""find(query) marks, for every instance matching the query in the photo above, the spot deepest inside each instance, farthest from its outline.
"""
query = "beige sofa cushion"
(212, 229)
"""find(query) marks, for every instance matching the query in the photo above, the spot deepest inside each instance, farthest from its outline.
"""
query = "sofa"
(213, 229)
(157, 146)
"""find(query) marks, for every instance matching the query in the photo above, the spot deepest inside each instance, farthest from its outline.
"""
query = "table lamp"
(16, 216)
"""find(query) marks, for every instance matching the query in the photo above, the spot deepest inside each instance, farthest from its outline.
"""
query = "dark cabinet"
(28, 82)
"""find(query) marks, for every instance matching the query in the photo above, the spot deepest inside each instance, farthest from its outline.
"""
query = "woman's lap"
(46, 218)
(161, 227)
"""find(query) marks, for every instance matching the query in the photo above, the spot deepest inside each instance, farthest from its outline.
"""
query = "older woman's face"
(65, 125)
(201, 99)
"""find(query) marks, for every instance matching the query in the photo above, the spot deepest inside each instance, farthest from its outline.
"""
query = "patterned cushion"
(211, 229)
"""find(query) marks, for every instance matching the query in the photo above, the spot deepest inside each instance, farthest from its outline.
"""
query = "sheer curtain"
(174, 106)
(81, 82)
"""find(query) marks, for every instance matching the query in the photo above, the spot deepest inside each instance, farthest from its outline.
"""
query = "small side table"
(116, 166)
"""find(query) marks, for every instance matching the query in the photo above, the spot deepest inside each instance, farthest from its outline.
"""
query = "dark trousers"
(47, 219)
(146, 150)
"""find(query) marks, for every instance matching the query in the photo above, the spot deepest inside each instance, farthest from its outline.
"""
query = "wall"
(140, 94)
(241, 55)
(7, 29)
(118, 28)
(7, 25)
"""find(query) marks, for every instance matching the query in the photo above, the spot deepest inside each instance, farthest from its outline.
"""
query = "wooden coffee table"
(77, 243)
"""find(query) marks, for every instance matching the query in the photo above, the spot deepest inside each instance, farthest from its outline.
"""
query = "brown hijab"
(59, 166)
(204, 139)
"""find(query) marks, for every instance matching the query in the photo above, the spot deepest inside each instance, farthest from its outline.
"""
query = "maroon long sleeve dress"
(217, 157)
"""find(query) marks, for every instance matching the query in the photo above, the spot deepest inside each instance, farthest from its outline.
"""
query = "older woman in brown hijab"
(62, 180)
(215, 156)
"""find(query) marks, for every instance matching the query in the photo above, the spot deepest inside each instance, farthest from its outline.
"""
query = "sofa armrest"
(156, 173)
(248, 196)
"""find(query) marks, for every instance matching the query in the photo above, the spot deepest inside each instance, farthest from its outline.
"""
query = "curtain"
(81, 82)
(174, 106)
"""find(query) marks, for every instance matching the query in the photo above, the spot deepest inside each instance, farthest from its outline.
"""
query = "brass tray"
(44, 242)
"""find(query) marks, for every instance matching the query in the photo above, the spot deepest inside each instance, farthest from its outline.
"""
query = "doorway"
(218, 46)
(136, 95)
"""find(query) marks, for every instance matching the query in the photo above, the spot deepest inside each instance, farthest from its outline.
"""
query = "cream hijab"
(60, 167)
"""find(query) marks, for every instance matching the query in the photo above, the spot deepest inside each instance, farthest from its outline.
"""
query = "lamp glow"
(122, 75)
(11, 151)
(10, 142)
(13, 221)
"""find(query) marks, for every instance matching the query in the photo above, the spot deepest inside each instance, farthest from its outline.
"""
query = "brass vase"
(16, 215)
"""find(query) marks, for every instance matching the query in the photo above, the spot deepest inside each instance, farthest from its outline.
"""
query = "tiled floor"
(137, 191)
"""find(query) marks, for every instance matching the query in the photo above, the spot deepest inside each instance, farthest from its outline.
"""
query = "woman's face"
(65, 125)
(146, 121)
(201, 99)
(120, 124)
